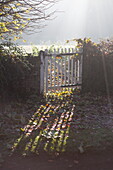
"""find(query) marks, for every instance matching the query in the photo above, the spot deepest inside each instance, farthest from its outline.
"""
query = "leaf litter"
(90, 112)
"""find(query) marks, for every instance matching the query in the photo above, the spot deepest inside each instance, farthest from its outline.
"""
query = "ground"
(63, 131)
(87, 161)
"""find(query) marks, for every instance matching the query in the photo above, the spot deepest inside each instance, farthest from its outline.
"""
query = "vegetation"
(18, 16)
(62, 122)
(65, 122)
(98, 67)
(13, 68)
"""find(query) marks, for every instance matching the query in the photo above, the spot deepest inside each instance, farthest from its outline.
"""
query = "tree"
(17, 16)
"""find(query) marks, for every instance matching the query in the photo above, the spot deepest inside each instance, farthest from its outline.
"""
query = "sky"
(76, 19)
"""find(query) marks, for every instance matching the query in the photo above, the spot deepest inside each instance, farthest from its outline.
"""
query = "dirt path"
(86, 161)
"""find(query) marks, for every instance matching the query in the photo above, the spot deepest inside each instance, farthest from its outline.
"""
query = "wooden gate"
(61, 68)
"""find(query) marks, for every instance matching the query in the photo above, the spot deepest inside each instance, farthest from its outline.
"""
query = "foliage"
(35, 51)
(105, 46)
(49, 49)
(16, 16)
(10, 49)
(97, 65)
(13, 68)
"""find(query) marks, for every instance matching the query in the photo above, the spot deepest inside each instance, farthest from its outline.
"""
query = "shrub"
(98, 67)
(13, 68)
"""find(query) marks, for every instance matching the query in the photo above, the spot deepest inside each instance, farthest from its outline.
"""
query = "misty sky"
(77, 19)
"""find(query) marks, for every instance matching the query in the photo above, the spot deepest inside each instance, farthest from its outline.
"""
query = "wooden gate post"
(84, 67)
(46, 71)
(42, 58)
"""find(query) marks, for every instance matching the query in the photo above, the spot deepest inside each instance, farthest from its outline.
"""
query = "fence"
(61, 68)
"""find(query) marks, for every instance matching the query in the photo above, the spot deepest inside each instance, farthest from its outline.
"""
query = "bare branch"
(24, 15)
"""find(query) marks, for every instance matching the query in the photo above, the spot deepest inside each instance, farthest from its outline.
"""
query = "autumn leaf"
(24, 41)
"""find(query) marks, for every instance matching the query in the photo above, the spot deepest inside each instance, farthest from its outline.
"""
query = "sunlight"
(34, 145)
(79, 19)
(90, 18)
(48, 129)
(98, 19)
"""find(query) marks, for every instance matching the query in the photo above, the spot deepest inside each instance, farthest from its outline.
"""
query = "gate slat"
(78, 71)
(42, 72)
(50, 71)
(68, 70)
(61, 72)
(75, 77)
(72, 71)
(54, 71)
(81, 59)
(58, 72)
(46, 73)
(65, 72)
(61, 69)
